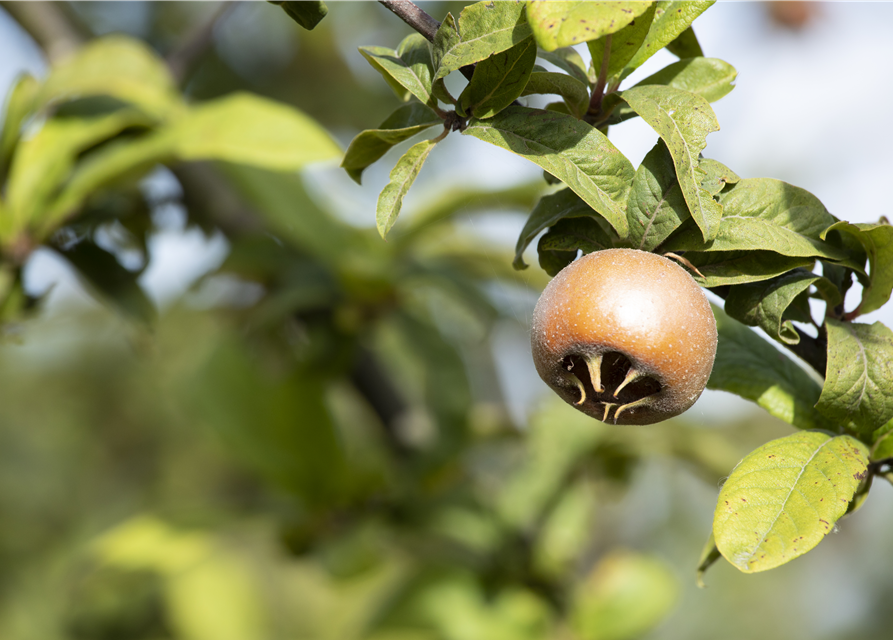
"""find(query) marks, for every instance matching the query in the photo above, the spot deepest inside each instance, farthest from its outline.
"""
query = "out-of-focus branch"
(184, 58)
(49, 24)
(414, 17)
(422, 22)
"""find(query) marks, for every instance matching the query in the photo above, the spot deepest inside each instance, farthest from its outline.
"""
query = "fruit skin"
(635, 303)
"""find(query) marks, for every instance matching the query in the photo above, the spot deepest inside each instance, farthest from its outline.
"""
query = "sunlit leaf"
(116, 66)
(656, 206)
(407, 70)
(248, 129)
(857, 380)
(784, 497)
(20, 101)
(498, 80)
(710, 78)
(764, 214)
(686, 45)
(560, 24)
(390, 201)
(580, 156)
(484, 29)
(877, 240)
(372, 144)
(716, 175)
(671, 19)
(624, 44)
(683, 120)
(44, 161)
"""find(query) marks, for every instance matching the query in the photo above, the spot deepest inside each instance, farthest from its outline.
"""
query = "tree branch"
(184, 58)
(414, 17)
(48, 24)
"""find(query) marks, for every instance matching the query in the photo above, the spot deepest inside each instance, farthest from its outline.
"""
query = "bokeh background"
(328, 436)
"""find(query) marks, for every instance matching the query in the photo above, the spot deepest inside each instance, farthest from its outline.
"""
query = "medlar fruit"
(625, 336)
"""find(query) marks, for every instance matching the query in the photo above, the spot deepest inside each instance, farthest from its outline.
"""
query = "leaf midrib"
(785, 502)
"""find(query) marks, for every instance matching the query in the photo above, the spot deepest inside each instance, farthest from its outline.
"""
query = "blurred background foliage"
(322, 436)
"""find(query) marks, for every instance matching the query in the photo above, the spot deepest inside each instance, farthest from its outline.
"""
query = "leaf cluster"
(767, 248)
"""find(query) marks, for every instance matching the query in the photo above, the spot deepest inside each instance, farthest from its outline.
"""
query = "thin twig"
(422, 22)
(414, 17)
(184, 58)
(48, 24)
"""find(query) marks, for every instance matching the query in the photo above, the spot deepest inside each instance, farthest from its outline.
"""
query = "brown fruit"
(625, 336)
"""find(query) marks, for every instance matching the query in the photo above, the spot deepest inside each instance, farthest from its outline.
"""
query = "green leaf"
(557, 23)
(548, 211)
(764, 304)
(686, 45)
(716, 176)
(560, 245)
(307, 13)
(104, 274)
(656, 206)
(403, 175)
(484, 28)
(766, 214)
(571, 150)
(625, 596)
(277, 424)
(20, 102)
(116, 66)
(877, 240)
(43, 162)
(372, 144)
(247, 129)
(683, 121)
(710, 78)
(624, 45)
(574, 92)
(551, 261)
(407, 70)
(883, 449)
(750, 367)
(240, 128)
(785, 496)
(858, 377)
(740, 267)
(671, 19)
(290, 213)
(498, 81)
(567, 59)
(116, 161)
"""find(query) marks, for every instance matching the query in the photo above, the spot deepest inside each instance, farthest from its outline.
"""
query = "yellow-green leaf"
(785, 496)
